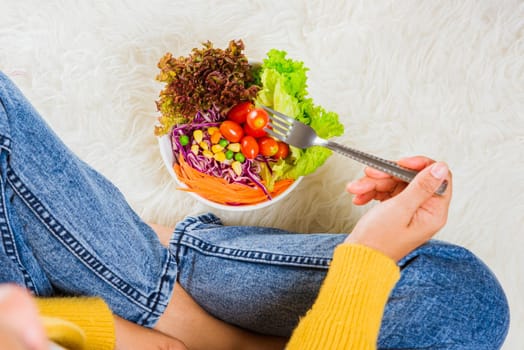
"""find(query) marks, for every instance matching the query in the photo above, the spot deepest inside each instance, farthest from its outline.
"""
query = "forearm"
(348, 311)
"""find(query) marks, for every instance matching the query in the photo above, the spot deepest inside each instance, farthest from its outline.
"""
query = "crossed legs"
(184, 319)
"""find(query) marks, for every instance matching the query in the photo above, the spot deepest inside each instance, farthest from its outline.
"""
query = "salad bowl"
(166, 151)
(212, 131)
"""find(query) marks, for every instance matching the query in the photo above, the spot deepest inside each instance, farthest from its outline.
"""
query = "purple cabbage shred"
(203, 120)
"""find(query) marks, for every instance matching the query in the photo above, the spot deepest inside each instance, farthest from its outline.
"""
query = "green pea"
(223, 143)
(229, 154)
(239, 157)
(183, 139)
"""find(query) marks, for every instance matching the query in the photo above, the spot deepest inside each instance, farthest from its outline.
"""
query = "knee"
(468, 299)
(483, 299)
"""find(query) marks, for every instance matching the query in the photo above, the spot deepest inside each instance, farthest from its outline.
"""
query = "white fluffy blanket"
(439, 78)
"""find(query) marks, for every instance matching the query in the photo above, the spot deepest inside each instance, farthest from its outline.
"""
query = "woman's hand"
(381, 186)
(408, 215)
(20, 326)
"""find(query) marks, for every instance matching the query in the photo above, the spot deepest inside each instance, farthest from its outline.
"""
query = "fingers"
(367, 188)
(19, 316)
(416, 162)
(375, 173)
(361, 199)
(423, 187)
(380, 186)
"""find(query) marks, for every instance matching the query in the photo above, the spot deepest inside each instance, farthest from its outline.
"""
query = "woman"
(66, 230)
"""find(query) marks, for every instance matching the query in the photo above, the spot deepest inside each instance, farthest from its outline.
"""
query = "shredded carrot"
(219, 190)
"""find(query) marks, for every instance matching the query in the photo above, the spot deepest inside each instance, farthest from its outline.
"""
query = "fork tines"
(279, 124)
(271, 130)
(285, 118)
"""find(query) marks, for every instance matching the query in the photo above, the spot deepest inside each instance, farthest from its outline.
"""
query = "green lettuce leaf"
(284, 88)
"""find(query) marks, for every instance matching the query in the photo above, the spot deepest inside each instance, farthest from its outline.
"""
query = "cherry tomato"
(249, 147)
(231, 131)
(257, 119)
(283, 150)
(239, 112)
(255, 133)
(268, 146)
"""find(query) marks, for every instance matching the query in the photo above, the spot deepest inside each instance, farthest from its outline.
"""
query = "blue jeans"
(66, 230)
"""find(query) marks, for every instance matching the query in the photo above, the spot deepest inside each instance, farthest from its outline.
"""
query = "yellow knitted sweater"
(78, 323)
(348, 310)
(346, 314)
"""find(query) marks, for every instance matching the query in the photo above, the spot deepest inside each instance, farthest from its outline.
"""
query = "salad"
(209, 107)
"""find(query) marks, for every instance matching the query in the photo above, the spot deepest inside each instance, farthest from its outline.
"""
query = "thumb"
(424, 186)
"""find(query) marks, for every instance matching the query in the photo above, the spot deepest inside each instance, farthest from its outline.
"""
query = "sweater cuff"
(348, 311)
(92, 315)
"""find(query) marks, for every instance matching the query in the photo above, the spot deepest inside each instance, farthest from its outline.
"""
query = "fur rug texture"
(439, 78)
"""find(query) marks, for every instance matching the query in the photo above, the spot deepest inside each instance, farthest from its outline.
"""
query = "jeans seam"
(165, 283)
(182, 236)
(9, 244)
(5, 143)
(75, 247)
(251, 255)
(189, 223)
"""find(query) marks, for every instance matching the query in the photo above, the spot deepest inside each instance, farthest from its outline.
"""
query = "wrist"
(379, 247)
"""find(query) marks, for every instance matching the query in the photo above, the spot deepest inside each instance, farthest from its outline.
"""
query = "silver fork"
(300, 135)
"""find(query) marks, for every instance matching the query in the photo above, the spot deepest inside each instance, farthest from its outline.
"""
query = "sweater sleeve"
(348, 311)
(91, 315)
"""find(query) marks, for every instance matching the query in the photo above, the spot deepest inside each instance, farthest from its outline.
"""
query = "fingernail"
(439, 170)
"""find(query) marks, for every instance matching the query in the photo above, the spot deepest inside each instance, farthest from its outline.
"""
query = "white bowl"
(167, 156)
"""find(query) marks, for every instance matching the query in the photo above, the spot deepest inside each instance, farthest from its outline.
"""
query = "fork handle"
(378, 163)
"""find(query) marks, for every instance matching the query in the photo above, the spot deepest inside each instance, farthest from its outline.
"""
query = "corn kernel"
(237, 167)
(220, 156)
(207, 153)
(195, 149)
(211, 130)
(217, 148)
(204, 145)
(198, 135)
(235, 147)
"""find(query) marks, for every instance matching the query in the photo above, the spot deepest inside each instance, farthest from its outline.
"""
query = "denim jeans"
(66, 230)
